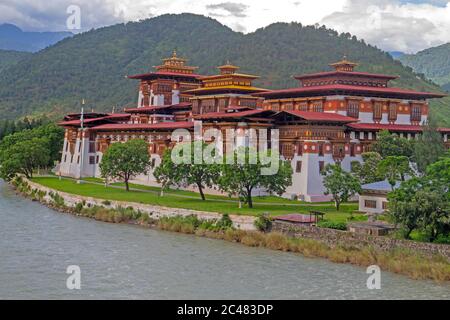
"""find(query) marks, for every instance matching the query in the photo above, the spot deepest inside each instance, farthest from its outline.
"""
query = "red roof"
(154, 108)
(319, 116)
(222, 115)
(336, 88)
(390, 127)
(161, 73)
(114, 116)
(145, 126)
(346, 73)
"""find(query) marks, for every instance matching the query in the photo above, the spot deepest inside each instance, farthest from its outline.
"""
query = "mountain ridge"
(434, 63)
(14, 38)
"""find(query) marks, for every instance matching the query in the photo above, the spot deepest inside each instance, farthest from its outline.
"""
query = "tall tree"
(388, 144)
(367, 170)
(24, 157)
(201, 174)
(241, 176)
(341, 185)
(125, 160)
(394, 169)
(429, 147)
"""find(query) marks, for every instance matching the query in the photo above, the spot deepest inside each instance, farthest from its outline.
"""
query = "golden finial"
(174, 53)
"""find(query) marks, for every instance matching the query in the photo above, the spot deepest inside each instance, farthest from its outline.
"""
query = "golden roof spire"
(344, 65)
(228, 68)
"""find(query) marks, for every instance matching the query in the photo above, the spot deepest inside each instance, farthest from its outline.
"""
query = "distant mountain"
(9, 58)
(396, 54)
(13, 38)
(434, 63)
(93, 65)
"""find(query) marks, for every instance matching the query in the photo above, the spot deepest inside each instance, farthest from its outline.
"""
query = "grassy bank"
(409, 263)
(172, 199)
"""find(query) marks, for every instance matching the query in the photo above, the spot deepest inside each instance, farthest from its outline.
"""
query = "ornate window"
(353, 109)
(370, 204)
(377, 110)
(317, 106)
(303, 106)
(393, 112)
(416, 112)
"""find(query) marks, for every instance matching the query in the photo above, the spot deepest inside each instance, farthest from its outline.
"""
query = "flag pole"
(82, 142)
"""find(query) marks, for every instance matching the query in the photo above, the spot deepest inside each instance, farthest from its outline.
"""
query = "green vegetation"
(8, 127)
(341, 185)
(428, 148)
(187, 171)
(388, 144)
(394, 169)
(434, 63)
(243, 175)
(28, 150)
(423, 204)
(367, 172)
(125, 160)
(10, 58)
(218, 204)
(92, 65)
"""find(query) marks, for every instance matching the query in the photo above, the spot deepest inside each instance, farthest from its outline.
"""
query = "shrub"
(106, 203)
(332, 225)
(79, 207)
(263, 222)
(225, 222)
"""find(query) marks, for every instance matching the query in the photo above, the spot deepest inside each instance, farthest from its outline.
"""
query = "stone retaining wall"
(335, 238)
(154, 212)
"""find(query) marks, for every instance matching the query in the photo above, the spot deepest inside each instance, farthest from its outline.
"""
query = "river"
(37, 245)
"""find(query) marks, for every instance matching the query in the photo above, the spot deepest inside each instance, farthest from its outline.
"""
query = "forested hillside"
(434, 63)
(9, 58)
(93, 65)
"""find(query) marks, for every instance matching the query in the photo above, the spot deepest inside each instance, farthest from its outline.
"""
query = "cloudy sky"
(393, 25)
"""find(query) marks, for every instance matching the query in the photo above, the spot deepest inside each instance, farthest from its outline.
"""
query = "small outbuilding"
(373, 197)
(300, 219)
(371, 228)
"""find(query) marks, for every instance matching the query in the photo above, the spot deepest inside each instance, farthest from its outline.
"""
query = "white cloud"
(394, 25)
(405, 25)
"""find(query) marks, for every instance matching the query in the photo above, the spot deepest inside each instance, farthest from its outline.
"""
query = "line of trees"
(238, 178)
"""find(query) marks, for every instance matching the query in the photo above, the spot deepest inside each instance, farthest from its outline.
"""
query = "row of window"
(372, 204)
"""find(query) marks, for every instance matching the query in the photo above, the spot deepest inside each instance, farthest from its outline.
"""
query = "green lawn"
(175, 199)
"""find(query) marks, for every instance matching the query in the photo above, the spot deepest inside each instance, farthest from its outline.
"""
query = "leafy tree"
(125, 160)
(388, 145)
(421, 203)
(394, 169)
(165, 173)
(429, 147)
(24, 157)
(340, 184)
(440, 170)
(402, 209)
(433, 204)
(189, 172)
(367, 172)
(53, 134)
(242, 177)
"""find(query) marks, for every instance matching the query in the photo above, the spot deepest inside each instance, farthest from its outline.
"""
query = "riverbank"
(400, 261)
